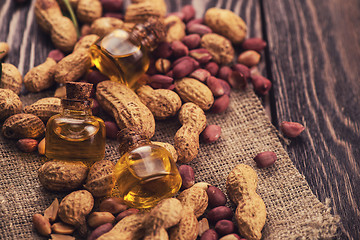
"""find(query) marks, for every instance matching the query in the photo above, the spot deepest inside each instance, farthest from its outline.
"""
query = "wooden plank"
(314, 60)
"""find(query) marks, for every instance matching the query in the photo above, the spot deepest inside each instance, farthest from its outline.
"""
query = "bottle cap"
(150, 33)
(130, 138)
(78, 90)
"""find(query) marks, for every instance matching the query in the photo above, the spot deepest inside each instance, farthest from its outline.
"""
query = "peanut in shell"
(23, 125)
(44, 108)
(10, 103)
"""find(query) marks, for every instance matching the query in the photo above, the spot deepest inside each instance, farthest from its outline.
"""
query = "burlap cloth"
(293, 211)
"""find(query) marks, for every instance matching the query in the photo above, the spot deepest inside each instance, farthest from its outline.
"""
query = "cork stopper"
(129, 139)
(78, 90)
(150, 33)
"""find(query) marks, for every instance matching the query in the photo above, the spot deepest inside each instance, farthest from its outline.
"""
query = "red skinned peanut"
(261, 84)
(111, 129)
(220, 104)
(291, 129)
(192, 41)
(256, 44)
(187, 175)
(216, 197)
(210, 234)
(265, 159)
(212, 67)
(215, 86)
(224, 227)
(189, 12)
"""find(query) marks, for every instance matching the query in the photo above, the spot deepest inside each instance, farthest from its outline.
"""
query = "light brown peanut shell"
(250, 216)
(195, 198)
(86, 42)
(242, 180)
(62, 175)
(163, 103)
(105, 25)
(75, 207)
(4, 49)
(63, 34)
(88, 10)
(101, 179)
(23, 125)
(125, 229)
(168, 147)
(11, 78)
(44, 108)
(125, 106)
(192, 90)
(46, 11)
(10, 103)
(186, 140)
(73, 66)
(169, 211)
(140, 12)
(188, 227)
(226, 23)
(219, 47)
(176, 28)
(40, 77)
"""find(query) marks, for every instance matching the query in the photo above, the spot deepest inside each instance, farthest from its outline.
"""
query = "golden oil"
(145, 174)
(75, 134)
(123, 56)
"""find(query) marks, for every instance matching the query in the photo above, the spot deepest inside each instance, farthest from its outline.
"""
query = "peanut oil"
(119, 58)
(124, 56)
(75, 138)
(75, 134)
(146, 173)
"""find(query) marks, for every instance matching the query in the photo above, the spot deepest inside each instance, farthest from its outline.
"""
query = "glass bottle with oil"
(75, 134)
(124, 56)
(146, 173)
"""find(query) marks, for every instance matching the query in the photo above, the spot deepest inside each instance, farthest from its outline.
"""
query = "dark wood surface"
(313, 58)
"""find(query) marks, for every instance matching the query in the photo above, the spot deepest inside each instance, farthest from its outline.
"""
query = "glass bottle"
(146, 173)
(75, 134)
(124, 56)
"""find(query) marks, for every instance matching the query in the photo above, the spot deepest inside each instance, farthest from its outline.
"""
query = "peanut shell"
(125, 229)
(75, 207)
(163, 103)
(45, 12)
(176, 28)
(169, 211)
(125, 106)
(4, 49)
(63, 34)
(44, 108)
(101, 179)
(226, 23)
(105, 25)
(73, 66)
(195, 198)
(11, 78)
(86, 42)
(10, 103)
(88, 10)
(192, 90)
(141, 11)
(40, 77)
(188, 228)
(23, 125)
(219, 47)
(62, 175)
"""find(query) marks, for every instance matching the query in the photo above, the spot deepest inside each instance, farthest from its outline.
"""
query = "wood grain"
(314, 56)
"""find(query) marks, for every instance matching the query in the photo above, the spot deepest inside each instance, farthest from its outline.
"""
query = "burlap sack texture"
(293, 211)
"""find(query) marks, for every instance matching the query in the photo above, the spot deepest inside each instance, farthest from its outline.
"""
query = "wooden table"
(312, 58)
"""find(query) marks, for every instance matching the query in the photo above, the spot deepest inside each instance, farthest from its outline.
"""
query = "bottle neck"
(148, 34)
(76, 107)
(129, 143)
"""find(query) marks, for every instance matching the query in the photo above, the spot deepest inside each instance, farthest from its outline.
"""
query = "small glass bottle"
(75, 134)
(123, 56)
(146, 173)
